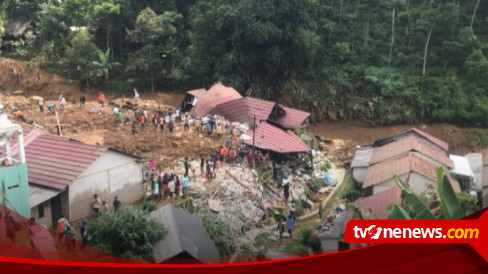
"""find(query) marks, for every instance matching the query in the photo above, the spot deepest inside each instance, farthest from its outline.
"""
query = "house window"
(40, 211)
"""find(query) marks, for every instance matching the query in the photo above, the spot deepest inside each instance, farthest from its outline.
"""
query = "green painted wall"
(14, 183)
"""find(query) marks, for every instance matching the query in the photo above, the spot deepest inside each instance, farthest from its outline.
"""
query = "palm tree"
(104, 65)
(414, 208)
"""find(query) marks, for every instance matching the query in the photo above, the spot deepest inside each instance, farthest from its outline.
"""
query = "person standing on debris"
(172, 186)
(165, 185)
(171, 125)
(293, 212)
(82, 101)
(96, 204)
(40, 103)
(177, 186)
(209, 129)
(220, 131)
(101, 98)
(202, 165)
(280, 229)
(105, 207)
(142, 121)
(134, 128)
(186, 126)
(228, 142)
(208, 174)
(161, 122)
(62, 102)
(186, 183)
(186, 165)
(155, 120)
(232, 156)
(286, 190)
(250, 157)
(155, 189)
(198, 125)
(116, 204)
(289, 224)
(193, 164)
(136, 94)
(120, 117)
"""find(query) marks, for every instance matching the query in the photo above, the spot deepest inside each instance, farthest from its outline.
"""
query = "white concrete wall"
(359, 174)
(112, 174)
(47, 219)
(417, 183)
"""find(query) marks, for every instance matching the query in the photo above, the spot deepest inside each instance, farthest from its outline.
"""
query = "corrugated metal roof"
(216, 95)
(407, 144)
(54, 161)
(292, 119)
(378, 203)
(38, 195)
(186, 233)
(243, 110)
(198, 93)
(405, 164)
(269, 137)
(434, 140)
(362, 157)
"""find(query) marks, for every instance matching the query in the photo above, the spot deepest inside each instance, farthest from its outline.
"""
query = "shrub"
(148, 205)
(128, 233)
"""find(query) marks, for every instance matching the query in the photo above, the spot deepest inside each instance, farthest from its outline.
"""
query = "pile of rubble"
(243, 203)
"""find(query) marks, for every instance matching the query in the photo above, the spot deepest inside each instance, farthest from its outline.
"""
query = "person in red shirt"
(142, 121)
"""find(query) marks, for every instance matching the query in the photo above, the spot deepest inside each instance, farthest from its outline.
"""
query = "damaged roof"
(185, 233)
(269, 137)
(216, 95)
(413, 132)
(293, 118)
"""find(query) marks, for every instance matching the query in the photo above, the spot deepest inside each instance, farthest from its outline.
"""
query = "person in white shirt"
(62, 102)
(171, 186)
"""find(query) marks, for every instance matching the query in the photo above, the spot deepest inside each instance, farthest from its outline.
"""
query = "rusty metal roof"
(434, 140)
(54, 161)
(198, 93)
(269, 137)
(405, 164)
(378, 203)
(243, 110)
(292, 119)
(216, 95)
(411, 143)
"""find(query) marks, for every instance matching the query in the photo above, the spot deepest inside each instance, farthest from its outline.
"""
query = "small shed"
(186, 237)
(360, 163)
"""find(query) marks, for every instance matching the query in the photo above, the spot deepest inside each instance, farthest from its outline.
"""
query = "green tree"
(128, 234)
(104, 65)
(80, 56)
(105, 14)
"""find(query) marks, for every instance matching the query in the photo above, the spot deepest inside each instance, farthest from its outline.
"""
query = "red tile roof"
(432, 139)
(216, 95)
(292, 119)
(269, 137)
(54, 161)
(243, 110)
(407, 144)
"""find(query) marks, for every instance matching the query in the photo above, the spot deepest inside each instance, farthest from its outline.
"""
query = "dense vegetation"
(386, 61)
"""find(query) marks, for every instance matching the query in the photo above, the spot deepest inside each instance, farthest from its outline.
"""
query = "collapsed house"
(200, 102)
(64, 175)
(186, 237)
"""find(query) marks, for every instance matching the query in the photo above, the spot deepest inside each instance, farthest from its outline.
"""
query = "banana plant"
(104, 65)
(450, 205)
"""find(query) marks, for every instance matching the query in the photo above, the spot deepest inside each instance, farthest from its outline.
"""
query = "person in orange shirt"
(101, 98)
(142, 121)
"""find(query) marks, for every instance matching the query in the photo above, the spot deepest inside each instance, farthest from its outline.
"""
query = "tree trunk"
(426, 50)
(392, 35)
(340, 10)
(474, 14)
(152, 83)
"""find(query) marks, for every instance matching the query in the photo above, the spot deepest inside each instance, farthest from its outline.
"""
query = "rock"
(273, 238)
(215, 205)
